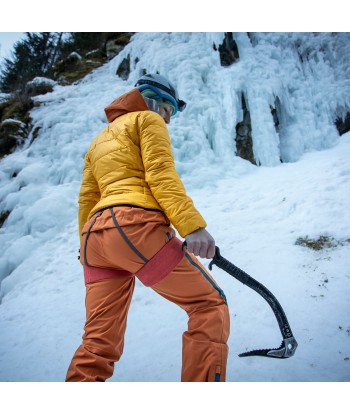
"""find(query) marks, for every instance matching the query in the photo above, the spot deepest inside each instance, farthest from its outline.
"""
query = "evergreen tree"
(86, 41)
(38, 52)
(31, 57)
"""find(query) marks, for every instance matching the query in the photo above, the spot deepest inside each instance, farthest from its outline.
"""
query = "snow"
(256, 214)
(75, 55)
(13, 121)
(4, 97)
(40, 80)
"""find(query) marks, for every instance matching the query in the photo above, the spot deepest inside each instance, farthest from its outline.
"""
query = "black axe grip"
(246, 279)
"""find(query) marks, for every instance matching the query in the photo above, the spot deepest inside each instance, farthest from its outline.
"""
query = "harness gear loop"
(98, 214)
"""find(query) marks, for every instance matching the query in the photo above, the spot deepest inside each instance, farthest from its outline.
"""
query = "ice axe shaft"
(289, 344)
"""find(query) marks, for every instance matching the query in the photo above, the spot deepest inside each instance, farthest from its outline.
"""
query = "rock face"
(343, 124)
(3, 216)
(14, 109)
(12, 134)
(229, 54)
(244, 143)
(123, 70)
(74, 67)
(228, 50)
(40, 86)
(116, 43)
(14, 122)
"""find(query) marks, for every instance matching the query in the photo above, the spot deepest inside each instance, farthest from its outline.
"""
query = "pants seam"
(206, 276)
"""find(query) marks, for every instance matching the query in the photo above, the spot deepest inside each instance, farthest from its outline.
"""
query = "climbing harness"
(168, 257)
(289, 344)
(152, 272)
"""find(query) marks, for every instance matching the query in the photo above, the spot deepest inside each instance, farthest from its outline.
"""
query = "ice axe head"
(286, 349)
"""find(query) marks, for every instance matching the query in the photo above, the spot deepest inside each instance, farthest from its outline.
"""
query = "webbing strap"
(87, 235)
(162, 263)
(126, 239)
(157, 268)
(153, 271)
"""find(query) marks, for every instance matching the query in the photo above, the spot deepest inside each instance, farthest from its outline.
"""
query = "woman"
(130, 196)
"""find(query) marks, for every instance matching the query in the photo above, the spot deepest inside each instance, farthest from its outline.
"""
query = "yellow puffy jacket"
(131, 163)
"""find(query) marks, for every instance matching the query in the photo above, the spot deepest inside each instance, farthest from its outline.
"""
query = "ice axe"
(289, 344)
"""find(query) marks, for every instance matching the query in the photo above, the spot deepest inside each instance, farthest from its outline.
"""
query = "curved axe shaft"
(289, 344)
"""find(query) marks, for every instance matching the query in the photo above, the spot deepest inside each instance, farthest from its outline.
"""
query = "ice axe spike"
(289, 344)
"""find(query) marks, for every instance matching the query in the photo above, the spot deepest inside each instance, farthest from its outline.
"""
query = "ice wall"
(305, 77)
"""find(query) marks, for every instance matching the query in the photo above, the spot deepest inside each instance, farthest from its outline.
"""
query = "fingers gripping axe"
(289, 344)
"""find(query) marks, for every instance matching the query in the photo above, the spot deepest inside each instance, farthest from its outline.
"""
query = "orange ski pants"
(189, 285)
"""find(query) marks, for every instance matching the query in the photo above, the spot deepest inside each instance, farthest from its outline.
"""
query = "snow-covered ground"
(256, 219)
(256, 214)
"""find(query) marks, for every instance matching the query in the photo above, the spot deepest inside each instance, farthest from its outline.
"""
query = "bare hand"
(201, 243)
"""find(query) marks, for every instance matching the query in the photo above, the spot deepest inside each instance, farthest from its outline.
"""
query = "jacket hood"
(129, 102)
